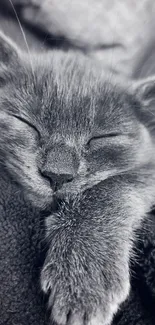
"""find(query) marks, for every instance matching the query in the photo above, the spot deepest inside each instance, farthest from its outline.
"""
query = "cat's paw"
(79, 299)
(86, 270)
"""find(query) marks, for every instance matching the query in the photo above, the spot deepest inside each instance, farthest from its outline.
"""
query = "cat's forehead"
(68, 94)
(80, 103)
(75, 82)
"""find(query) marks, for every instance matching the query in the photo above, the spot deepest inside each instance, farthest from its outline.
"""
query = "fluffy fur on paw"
(85, 275)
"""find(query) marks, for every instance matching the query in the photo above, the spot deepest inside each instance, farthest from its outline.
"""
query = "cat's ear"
(144, 90)
(9, 52)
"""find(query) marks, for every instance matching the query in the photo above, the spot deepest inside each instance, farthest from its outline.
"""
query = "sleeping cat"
(71, 135)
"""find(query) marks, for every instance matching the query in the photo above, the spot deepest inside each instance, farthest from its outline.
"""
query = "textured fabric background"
(21, 233)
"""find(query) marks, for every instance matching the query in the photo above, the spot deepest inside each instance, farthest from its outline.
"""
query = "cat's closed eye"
(25, 121)
(98, 141)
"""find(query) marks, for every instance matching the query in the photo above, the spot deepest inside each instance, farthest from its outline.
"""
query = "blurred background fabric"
(116, 32)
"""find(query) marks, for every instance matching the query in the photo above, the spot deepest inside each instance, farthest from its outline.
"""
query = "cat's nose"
(57, 180)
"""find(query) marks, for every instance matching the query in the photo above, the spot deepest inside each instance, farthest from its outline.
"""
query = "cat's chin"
(74, 188)
(81, 184)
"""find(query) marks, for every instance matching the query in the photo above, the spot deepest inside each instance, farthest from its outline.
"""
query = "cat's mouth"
(46, 190)
(76, 186)
(81, 184)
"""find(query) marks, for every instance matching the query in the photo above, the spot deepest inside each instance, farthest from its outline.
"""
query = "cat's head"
(64, 125)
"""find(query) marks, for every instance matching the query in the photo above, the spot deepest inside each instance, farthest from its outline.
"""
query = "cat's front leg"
(87, 266)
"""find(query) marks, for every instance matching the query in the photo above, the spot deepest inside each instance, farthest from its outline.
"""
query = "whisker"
(24, 36)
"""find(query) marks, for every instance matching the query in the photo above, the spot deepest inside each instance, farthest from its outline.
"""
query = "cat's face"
(65, 127)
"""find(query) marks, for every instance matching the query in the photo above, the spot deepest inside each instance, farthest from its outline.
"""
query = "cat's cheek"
(24, 168)
(38, 190)
(40, 200)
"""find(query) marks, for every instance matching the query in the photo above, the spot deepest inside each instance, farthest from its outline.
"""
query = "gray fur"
(70, 133)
